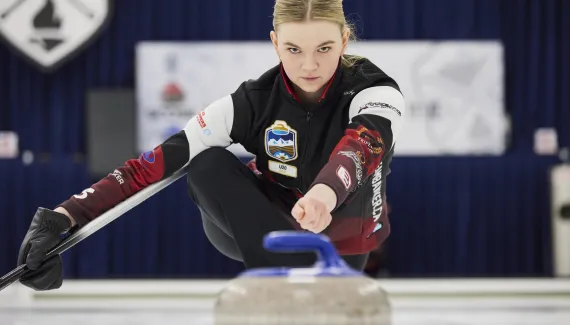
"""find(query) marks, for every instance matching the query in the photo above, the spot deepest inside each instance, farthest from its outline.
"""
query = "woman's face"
(309, 51)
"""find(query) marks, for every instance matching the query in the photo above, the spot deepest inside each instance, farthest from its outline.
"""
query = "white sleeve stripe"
(383, 101)
(211, 127)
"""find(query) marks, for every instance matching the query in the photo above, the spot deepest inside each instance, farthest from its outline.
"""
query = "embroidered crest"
(281, 142)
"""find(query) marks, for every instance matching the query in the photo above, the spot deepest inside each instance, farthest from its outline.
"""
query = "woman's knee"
(210, 162)
(210, 167)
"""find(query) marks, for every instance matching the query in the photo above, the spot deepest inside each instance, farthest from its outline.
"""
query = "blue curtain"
(494, 223)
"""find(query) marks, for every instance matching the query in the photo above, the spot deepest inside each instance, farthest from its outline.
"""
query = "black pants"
(237, 212)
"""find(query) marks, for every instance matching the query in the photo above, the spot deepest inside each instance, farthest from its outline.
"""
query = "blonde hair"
(302, 10)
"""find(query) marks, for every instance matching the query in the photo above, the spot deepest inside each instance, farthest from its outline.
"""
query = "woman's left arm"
(376, 115)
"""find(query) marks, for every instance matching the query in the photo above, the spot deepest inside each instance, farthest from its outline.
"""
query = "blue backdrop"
(495, 222)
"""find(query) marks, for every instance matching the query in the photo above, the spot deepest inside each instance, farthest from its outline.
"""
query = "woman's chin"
(310, 87)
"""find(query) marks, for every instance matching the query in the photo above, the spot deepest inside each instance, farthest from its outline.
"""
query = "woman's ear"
(345, 39)
(273, 36)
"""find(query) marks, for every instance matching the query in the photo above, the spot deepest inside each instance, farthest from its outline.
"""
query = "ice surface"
(407, 311)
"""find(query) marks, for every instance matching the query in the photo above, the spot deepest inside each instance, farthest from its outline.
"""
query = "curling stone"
(329, 292)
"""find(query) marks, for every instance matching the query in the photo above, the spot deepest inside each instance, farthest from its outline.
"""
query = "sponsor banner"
(454, 90)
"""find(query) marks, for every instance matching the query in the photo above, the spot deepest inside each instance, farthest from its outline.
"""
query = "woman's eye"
(324, 49)
(293, 50)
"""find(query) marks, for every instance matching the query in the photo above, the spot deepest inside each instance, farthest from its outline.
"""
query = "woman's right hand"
(44, 234)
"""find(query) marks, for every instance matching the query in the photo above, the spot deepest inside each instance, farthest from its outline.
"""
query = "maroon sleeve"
(356, 156)
(132, 177)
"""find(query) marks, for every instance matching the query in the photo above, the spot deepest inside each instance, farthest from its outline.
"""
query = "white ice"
(168, 311)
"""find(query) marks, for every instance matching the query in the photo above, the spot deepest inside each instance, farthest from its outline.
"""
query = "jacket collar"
(287, 85)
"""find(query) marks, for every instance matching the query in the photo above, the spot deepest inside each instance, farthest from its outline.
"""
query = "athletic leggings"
(238, 210)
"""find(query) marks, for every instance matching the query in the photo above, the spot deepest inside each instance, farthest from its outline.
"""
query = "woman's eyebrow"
(322, 44)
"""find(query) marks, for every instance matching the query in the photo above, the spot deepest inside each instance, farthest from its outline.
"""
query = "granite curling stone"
(329, 292)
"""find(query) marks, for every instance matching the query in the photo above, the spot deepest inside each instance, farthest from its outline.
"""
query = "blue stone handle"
(296, 241)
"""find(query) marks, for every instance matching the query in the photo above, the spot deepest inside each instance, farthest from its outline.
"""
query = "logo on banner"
(281, 141)
(170, 131)
(48, 32)
(172, 93)
(458, 100)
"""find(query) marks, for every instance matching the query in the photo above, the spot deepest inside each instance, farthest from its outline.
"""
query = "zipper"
(309, 116)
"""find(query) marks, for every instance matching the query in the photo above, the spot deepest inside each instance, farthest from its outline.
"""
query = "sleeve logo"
(148, 156)
(344, 176)
(381, 105)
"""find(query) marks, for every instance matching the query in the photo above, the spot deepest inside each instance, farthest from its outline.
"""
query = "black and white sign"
(48, 32)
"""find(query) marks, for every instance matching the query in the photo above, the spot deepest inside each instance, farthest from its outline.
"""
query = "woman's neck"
(309, 98)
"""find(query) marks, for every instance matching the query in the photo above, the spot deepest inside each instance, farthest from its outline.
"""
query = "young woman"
(322, 125)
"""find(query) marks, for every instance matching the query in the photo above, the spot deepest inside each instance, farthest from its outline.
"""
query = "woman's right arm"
(210, 128)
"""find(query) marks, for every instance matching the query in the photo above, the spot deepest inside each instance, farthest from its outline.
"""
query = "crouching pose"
(322, 125)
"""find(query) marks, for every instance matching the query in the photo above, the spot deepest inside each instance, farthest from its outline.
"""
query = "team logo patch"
(50, 31)
(149, 156)
(281, 142)
(371, 139)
